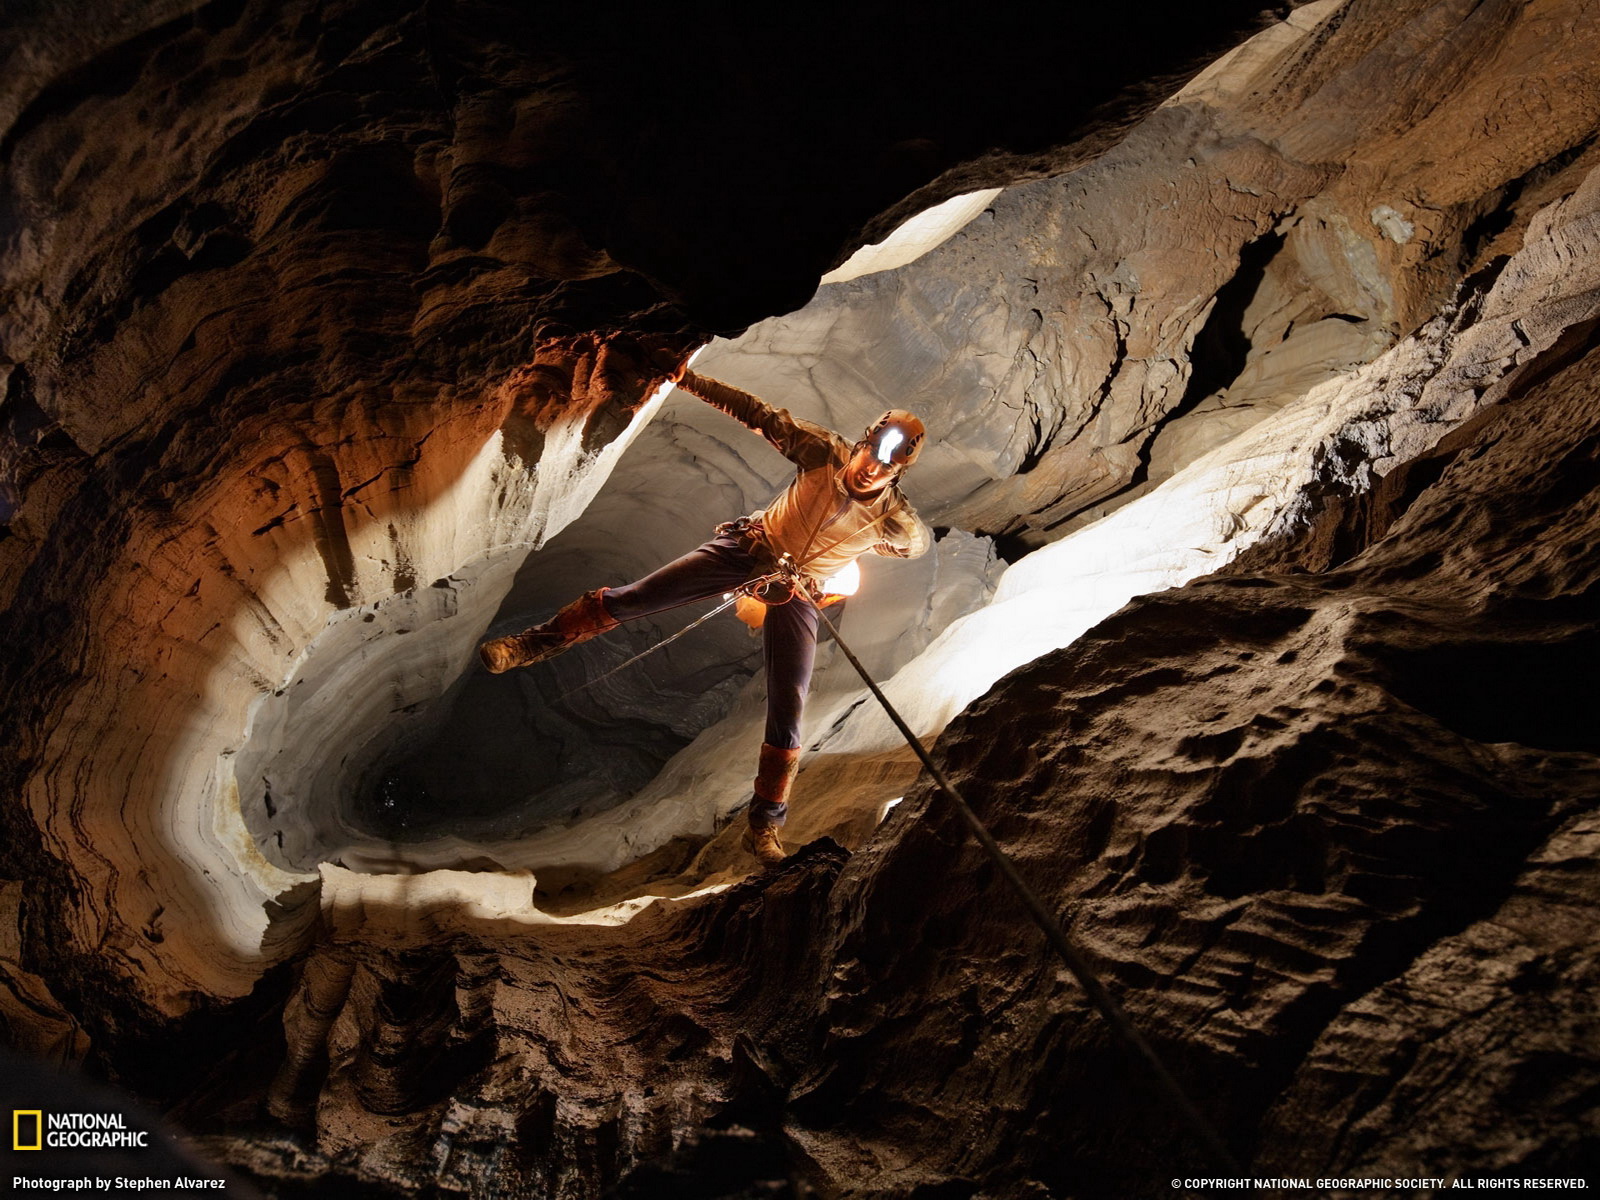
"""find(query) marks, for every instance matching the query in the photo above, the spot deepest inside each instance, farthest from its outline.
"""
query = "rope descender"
(776, 587)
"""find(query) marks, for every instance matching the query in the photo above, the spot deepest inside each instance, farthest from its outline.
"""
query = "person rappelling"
(844, 501)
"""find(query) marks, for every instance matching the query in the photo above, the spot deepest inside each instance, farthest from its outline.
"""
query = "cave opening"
(569, 763)
(446, 765)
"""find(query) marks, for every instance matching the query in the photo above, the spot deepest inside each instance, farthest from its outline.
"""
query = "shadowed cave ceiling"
(1261, 626)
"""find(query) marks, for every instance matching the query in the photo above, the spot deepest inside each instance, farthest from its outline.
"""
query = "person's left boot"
(585, 618)
(769, 804)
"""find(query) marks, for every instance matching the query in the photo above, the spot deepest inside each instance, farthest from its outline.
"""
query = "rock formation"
(1259, 629)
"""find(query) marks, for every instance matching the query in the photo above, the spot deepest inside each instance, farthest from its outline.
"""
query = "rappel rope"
(701, 620)
(1121, 1025)
(1102, 999)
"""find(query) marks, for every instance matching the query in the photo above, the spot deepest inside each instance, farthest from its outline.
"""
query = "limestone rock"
(1261, 627)
(296, 297)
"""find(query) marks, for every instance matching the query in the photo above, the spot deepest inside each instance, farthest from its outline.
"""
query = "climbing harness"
(777, 586)
(1098, 995)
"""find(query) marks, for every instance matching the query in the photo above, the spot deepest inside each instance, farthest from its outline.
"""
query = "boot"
(763, 842)
(585, 618)
(770, 803)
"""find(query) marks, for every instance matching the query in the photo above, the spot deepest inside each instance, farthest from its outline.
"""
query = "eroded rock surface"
(1096, 331)
(324, 313)
(277, 276)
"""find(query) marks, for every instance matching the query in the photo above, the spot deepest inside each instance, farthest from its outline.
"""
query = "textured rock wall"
(1318, 821)
(239, 400)
(1284, 218)
(295, 298)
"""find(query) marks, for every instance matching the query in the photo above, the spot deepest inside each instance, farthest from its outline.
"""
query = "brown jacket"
(816, 521)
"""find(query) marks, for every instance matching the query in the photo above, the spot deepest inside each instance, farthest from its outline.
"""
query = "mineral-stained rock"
(587, 1060)
(31, 1018)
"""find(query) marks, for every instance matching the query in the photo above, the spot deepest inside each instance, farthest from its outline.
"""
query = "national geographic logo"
(27, 1129)
(34, 1129)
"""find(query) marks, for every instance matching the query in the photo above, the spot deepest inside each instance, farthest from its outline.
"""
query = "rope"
(1102, 999)
(651, 650)
(746, 588)
(1121, 1025)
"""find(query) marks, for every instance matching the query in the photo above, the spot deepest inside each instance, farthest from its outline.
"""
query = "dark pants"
(789, 633)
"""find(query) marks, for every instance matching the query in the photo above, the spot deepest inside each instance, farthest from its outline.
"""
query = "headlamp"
(896, 438)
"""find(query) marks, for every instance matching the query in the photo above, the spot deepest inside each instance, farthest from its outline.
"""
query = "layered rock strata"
(1318, 821)
(337, 341)
(297, 297)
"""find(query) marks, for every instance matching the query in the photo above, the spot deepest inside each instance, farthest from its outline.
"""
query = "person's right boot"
(769, 804)
(763, 842)
(585, 618)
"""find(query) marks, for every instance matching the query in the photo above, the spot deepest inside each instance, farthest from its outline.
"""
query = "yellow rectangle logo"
(18, 1123)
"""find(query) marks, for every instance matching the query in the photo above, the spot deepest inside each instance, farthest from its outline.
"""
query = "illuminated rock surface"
(319, 362)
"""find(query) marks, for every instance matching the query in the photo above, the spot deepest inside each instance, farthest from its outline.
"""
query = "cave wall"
(1320, 823)
(250, 274)
(275, 276)
(313, 313)
(1294, 211)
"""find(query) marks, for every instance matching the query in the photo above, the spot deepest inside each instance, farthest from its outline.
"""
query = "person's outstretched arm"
(801, 442)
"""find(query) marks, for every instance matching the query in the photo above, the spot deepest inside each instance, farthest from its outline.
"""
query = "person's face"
(864, 475)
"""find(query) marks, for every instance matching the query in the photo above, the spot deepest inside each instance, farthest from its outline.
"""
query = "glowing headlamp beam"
(887, 443)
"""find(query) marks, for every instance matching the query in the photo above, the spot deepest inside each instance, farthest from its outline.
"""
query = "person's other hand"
(656, 355)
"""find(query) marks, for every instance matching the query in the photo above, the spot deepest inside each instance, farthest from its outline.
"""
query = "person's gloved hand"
(654, 355)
